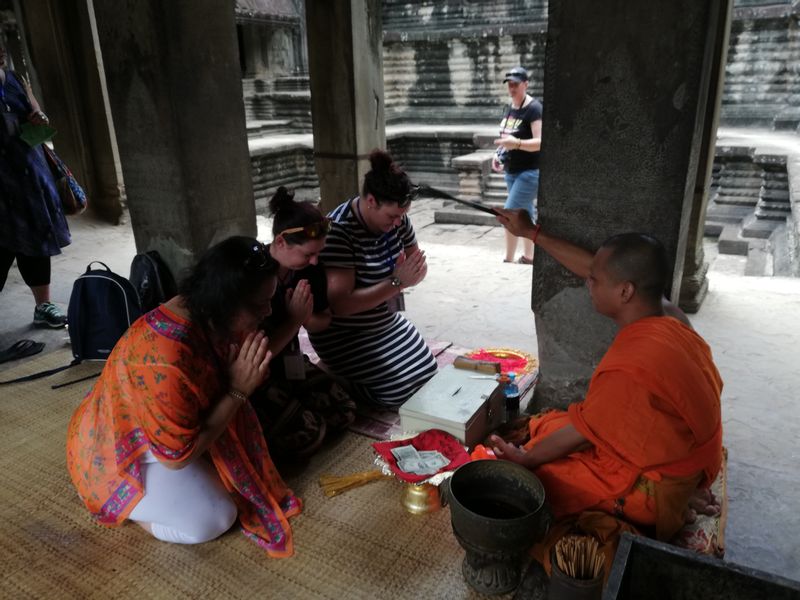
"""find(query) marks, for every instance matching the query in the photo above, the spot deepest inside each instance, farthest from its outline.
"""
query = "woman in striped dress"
(370, 257)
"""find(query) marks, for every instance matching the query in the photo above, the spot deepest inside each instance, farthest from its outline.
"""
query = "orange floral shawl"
(153, 393)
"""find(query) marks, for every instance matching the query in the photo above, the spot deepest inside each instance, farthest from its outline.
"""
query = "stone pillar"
(174, 87)
(254, 41)
(694, 283)
(62, 40)
(345, 53)
(626, 90)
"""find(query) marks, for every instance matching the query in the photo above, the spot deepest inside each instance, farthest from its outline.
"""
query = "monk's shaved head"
(642, 260)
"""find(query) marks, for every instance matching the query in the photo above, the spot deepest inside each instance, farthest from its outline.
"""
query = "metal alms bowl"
(498, 511)
(498, 505)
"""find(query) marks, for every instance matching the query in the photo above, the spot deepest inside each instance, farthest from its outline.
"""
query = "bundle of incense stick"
(579, 557)
(332, 485)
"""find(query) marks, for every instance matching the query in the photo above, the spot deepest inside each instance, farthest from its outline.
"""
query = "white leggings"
(185, 506)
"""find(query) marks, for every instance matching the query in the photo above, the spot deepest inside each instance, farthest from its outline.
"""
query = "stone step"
(268, 127)
(753, 227)
(775, 182)
(759, 259)
(737, 200)
(731, 213)
(744, 192)
(771, 215)
(465, 216)
(785, 262)
(774, 195)
(731, 242)
(783, 207)
(730, 183)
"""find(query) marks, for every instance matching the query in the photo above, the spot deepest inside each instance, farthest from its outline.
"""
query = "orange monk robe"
(652, 414)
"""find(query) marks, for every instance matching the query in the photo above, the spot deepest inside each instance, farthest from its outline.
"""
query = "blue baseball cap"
(517, 74)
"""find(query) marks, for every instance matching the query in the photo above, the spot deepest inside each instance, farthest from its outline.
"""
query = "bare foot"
(702, 502)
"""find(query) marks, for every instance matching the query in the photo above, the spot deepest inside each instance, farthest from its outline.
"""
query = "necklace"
(360, 217)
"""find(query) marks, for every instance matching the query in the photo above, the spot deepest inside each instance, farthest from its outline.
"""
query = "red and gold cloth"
(433, 439)
(157, 385)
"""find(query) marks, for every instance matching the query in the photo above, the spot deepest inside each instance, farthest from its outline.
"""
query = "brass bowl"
(420, 499)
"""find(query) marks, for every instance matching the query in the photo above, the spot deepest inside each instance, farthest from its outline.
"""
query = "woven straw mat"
(361, 544)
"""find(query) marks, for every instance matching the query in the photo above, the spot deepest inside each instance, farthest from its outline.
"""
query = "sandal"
(21, 349)
(523, 260)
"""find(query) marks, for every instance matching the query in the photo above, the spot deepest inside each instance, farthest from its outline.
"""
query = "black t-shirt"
(517, 122)
(315, 274)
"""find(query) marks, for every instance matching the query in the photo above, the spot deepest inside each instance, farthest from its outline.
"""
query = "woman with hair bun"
(300, 403)
(370, 257)
(299, 230)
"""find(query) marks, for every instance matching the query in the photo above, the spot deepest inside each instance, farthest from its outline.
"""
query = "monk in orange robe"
(649, 432)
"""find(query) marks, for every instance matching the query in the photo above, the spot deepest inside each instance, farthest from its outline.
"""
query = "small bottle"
(512, 397)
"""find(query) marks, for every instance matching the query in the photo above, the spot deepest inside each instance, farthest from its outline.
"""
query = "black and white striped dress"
(379, 351)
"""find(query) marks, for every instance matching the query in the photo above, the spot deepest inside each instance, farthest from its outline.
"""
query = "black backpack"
(101, 308)
(152, 280)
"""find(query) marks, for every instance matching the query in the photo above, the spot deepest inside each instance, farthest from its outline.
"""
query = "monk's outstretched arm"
(572, 257)
(557, 445)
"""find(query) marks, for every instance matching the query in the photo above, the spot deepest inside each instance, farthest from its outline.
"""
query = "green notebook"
(33, 135)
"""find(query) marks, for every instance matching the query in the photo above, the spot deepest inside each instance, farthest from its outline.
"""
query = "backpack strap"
(41, 374)
(61, 385)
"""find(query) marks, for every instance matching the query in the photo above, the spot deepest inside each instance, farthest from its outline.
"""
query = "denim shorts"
(523, 187)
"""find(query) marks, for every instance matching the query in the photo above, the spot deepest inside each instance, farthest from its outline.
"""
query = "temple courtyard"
(472, 299)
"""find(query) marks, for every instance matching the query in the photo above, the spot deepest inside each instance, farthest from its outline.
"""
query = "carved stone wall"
(762, 79)
(444, 61)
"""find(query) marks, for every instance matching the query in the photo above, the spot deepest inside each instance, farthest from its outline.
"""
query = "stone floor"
(473, 299)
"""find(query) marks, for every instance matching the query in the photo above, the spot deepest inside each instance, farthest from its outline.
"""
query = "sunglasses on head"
(405, 201)
(313, 231)
(258, 257)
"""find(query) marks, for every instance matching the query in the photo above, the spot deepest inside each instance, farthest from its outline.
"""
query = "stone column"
(694, 283)
(175, 91)
(254, 40)
(344, 54)
(62, 40)
(626, 91)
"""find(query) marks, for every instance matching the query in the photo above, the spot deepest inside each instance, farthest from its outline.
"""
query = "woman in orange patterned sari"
(167, 437)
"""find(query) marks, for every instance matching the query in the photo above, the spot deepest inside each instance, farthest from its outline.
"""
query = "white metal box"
(466, 404)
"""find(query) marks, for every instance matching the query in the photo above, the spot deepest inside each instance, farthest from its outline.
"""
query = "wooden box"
(457, 402)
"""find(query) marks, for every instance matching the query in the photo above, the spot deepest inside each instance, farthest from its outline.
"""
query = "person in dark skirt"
(32, 223)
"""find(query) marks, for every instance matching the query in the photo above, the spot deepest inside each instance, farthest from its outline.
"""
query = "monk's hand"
(517, 221)
(249, 365)
(299, 303)
(506, 451)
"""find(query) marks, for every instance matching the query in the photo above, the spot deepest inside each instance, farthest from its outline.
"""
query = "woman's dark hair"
(288, 214)
(387, 181)
(225, 279)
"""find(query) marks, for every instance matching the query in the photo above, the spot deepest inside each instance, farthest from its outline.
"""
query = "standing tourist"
(518, 155)
(32, 223)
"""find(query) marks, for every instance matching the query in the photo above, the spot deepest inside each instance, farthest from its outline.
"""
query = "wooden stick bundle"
(333, 485)
(579, 557)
